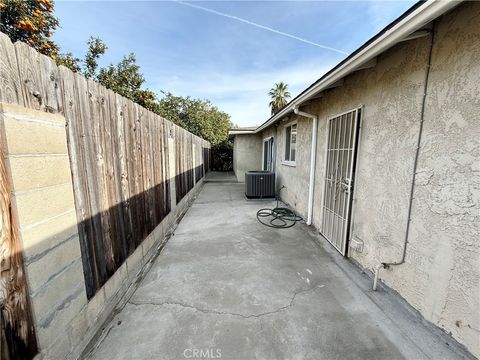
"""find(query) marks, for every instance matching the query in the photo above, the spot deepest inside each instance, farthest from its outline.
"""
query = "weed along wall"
(95, 184)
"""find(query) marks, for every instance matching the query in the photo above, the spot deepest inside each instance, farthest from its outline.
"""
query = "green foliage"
(68, 60)
(126, 79)
(31, 22)
(199, 117)
(279, 96)
(96, 48)
(222, 156)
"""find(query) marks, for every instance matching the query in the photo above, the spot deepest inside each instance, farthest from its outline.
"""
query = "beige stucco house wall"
(441, 275)
(246, 148)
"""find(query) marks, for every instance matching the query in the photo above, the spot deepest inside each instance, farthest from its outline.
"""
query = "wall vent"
(259, 184)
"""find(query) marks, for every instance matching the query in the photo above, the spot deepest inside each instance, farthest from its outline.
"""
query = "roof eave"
(419, 17)
(242, 132)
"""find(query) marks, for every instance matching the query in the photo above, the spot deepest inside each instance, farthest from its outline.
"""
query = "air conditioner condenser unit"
(259, 184)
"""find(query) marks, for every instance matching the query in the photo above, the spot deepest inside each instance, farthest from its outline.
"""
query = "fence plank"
(97, 112)
(161, 169)
(50, 81)
(139, 186)
(115, 157)
(122, 155)
(130, 130)
(76, 154)
(10, 86)
(30, 79)
(147, 180)
(150, 173)
(167, 130)
(144, 151)
(109, 200)
(90, 173)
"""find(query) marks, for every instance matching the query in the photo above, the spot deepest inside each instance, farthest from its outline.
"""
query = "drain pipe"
(386, 265)
(376, 271)
(313, 159)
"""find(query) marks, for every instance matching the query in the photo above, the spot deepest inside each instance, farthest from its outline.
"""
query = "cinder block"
(25, 137)
(42, 204)
(57, 290)
(60, 317)
(10, 110)
(57, 348)
(95, 307)
(78, 328)
(39, 171)
(115, 299)
(44, 236)
(160, 230)
(134, 262)
(113, 284)
(53, 261)
(147, 245)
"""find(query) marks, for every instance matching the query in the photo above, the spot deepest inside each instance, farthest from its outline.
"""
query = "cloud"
(244, 94)
(260, 26)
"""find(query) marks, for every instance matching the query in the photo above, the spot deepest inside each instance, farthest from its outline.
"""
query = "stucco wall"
(247, 154)
(441, 275)
(445, 237)
(294, 178)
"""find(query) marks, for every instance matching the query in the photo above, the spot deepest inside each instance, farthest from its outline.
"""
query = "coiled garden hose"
(278, 217)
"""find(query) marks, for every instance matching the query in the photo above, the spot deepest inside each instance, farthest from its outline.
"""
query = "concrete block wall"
(37, 158)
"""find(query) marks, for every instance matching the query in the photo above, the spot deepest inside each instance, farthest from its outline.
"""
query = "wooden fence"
(184, 164)
(118, 154)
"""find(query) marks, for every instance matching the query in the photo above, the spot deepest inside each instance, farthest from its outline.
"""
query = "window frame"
(265, 141)
(286, 161)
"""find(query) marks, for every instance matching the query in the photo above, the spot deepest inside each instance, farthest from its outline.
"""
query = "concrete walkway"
(227, 287)
(221, 176)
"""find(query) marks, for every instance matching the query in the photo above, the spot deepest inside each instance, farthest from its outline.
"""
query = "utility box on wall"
(259, 184)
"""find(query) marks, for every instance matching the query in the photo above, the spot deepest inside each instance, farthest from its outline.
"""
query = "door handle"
(346, 184)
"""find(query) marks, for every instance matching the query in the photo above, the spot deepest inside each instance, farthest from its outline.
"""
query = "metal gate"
(341, 149)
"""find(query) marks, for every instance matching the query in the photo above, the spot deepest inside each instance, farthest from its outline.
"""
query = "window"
(290, 143)
(268, 154)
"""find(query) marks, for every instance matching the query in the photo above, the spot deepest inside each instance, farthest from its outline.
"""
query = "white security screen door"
(268, 155)
(341, 149)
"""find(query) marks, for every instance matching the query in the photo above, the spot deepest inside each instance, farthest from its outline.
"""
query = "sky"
(229, 52)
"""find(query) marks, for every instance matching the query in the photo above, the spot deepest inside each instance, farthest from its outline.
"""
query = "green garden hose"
(278, 217)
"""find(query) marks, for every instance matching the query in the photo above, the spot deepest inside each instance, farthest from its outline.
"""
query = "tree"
(89, 65)
(31, 22)
(96, 48)
(279, 96)
(199, 117)
(68, 60)
(126, 79)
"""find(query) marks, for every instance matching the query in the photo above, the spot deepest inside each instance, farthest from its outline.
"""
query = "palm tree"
(279, 96)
